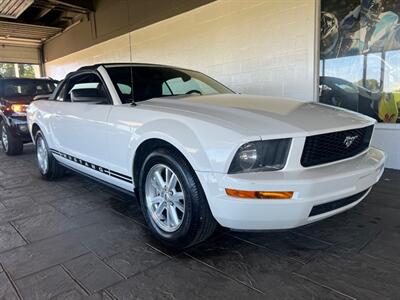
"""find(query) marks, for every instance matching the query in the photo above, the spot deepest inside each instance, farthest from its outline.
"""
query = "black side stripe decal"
(120, 175)
(93, 166)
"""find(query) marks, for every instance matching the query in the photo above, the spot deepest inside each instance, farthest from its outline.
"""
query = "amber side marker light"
(259, 195)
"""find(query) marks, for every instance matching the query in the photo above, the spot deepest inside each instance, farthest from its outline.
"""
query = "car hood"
(19, 99)
(261, 116)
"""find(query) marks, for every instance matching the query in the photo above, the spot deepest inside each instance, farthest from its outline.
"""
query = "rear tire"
(48, 166)
(12, 145)
(177, 213)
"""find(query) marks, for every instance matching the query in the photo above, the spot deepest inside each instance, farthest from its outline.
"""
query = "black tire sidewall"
(15, 146)
(187, 231)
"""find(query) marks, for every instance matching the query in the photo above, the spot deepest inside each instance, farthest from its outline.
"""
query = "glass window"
(86, 88)
(177, 86)
(122, 80)
(13, 88)
(8, 70)
(124, 89)
(143, 82)
(373, 74)
(360, 57)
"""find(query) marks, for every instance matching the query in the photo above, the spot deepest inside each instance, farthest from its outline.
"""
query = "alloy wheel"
(4, 138)
(42, 156)
(165, 198)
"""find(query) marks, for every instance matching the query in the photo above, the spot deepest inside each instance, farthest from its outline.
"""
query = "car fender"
(3, 118)
(36, 116)
(178, 134)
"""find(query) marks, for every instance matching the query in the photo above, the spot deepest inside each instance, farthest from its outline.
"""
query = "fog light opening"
(23, 128)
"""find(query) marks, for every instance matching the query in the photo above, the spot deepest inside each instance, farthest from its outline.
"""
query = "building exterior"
(343, 53)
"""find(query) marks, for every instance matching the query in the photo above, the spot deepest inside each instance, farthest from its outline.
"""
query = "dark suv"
(15, 96)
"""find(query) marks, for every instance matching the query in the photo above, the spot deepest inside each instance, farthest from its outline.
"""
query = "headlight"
(261, 156)
(19, 108)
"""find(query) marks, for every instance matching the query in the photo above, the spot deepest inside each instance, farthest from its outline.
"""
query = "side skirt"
(95, 179)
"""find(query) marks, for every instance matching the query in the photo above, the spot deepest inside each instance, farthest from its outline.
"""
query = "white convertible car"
(199, 155)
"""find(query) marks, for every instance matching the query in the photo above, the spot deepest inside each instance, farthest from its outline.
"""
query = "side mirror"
(88, 96)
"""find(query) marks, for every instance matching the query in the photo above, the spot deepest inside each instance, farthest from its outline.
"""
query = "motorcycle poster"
(360, 57)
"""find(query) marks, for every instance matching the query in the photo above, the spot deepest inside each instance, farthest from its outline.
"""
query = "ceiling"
(32, 22)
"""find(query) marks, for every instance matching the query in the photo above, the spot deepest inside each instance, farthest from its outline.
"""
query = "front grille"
(326, 207)
(330, 147)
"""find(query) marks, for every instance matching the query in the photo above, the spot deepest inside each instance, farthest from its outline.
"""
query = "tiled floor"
(74, 239)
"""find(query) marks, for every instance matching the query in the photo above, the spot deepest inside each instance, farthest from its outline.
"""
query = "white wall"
(261, 47)
(387, 137)
(114, 50)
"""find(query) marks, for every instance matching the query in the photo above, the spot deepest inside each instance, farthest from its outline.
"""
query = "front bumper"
(311, 187)
(18, 127)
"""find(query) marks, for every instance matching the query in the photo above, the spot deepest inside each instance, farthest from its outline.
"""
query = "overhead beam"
(80, 7)
(43, 12)
(75, 4)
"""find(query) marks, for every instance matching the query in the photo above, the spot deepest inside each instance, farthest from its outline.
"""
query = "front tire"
(173, 201)
(48, 166)
(12, 145)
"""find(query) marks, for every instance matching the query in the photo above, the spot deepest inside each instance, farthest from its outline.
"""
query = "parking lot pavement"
(75, 239)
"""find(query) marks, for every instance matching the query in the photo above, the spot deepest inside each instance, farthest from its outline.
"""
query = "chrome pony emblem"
(348, 141)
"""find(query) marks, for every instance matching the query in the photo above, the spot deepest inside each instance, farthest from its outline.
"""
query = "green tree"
(7, 70)
(26, 71)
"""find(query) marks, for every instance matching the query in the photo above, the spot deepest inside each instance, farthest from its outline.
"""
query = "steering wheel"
(194, 91)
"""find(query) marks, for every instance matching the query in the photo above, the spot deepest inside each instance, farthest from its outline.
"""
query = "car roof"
(32, 79)
(93, 68)
(127, 64)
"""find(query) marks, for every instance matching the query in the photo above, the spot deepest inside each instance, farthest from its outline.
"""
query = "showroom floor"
(73, 238)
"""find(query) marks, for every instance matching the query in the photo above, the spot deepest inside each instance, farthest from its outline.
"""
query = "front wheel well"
(35, 129)
(144, 150)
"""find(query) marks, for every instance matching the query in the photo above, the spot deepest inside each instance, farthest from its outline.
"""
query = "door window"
(86, 88)
(122, 80)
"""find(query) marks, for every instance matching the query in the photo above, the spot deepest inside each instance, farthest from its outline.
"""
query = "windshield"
(140, 83)
(26, 88)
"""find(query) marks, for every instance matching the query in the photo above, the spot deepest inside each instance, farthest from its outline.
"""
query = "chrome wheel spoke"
(173, 215)
(177, 196)
(179, 206)
(168, 175)
(4, 138)
(159, 180)
(169, 216)
(160, 208)
(157, 200)
(155, 185)
(172, 182)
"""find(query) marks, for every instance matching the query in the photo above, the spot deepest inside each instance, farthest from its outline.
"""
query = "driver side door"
(79, 124)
